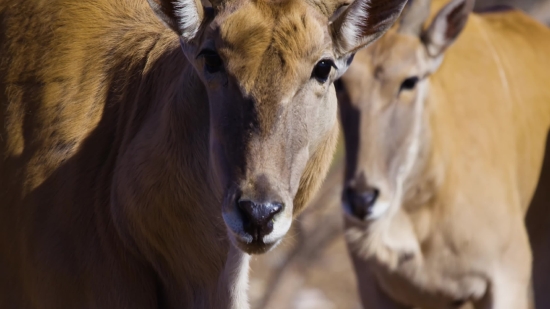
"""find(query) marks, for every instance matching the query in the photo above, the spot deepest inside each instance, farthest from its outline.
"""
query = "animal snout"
(258, 217)
(361, 202)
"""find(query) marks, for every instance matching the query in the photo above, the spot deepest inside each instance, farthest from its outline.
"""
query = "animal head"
(268, 67)
(382, 99)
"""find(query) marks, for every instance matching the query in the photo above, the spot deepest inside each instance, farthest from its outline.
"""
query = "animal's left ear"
(447, 26)
(362, 22)
(182, 16)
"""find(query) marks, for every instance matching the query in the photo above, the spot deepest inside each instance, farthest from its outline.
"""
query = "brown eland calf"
(144, 142)
(444, 149)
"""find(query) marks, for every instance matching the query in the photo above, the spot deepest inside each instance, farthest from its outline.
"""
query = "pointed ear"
(447, 26)
(413, 17)
(362, 22)
(182, 16)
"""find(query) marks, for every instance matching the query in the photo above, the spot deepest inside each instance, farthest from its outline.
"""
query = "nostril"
(259, 213)
(369, 196)
(258, 217)
(247, 210)
(361, 202)
(275, 208)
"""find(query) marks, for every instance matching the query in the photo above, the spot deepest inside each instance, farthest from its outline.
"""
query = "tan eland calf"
(444, 149)
(140, 139)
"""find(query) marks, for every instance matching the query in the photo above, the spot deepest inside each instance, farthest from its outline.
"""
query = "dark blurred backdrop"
(540, 9)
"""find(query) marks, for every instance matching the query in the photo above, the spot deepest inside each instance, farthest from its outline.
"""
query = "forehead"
(271, 39)
(394, 54)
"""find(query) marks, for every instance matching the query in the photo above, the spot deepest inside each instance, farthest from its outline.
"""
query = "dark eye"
(322, 70)
(409, 83)
(213, 62)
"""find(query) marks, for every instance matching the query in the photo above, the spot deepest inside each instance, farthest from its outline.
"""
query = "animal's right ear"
(362, 22)
(447, 26)
(182, 16)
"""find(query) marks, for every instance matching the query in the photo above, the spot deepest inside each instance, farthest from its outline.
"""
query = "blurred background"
(539, 9)
(311, 268)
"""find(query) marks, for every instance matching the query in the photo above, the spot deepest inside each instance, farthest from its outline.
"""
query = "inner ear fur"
(182, 16)
(447, 26)
(362, 22)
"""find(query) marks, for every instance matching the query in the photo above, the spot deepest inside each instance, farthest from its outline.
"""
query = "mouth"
(253, 246)
(254, 243)
(256, 225)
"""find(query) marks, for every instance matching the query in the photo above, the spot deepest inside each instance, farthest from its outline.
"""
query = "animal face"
(382, 99)
(382, 94)
(268, 69)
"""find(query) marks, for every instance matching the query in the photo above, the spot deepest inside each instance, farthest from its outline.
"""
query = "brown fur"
(120, 156)
(457, 232)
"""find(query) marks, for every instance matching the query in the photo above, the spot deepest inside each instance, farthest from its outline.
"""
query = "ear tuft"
(447, 26)
(182, 16)
(362, 22)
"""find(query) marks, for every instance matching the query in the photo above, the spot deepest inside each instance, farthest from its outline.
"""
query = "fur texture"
(124, 153)
(474, 128)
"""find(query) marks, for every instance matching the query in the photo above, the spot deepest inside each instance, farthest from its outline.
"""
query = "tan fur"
(121, 156)
(457, 232)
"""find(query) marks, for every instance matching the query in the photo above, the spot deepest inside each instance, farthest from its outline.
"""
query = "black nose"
(361, 201)
(258, 217)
